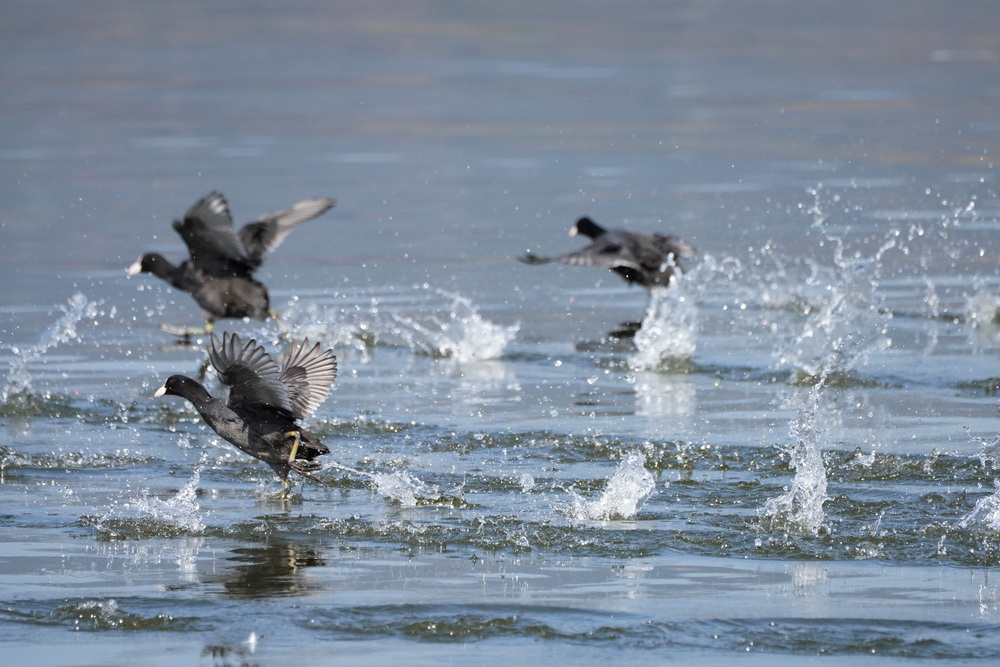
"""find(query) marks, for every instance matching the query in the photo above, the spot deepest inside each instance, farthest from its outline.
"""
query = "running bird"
(219, 273)
(265, 401)
(647, 260)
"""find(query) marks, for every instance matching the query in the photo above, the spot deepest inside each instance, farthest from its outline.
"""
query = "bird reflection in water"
(272, 570)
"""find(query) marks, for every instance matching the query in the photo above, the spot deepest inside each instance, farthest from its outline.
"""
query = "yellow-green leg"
(287, 483)
(297, 435)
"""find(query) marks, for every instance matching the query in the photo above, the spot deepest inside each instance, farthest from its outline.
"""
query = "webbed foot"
(286, 490)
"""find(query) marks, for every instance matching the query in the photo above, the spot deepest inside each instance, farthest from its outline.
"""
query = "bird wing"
(601, 255)
(611, 249)
(252, 375)
(672, 245)
(308, 374)
(267, 232)
(207, 230)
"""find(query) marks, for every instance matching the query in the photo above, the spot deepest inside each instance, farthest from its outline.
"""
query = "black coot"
(219, 273)
(647, 260)
(265, 400)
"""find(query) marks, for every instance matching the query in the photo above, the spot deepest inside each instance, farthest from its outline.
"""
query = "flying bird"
(219, 271)
(266, 400)
(649, 260)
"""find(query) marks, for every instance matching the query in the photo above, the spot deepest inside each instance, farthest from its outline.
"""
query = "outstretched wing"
(267, 232)
(615, 250)
(308, 374)
(207, 230)
(252, 375)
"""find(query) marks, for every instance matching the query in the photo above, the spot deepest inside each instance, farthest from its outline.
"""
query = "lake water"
(795, 455)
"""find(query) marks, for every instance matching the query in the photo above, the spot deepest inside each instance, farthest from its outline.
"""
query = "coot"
(647, 260)
(219, 273)
(265, 401)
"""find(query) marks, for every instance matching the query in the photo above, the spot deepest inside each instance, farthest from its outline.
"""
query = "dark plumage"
(219, 273)
(265, 400)
(647, 260)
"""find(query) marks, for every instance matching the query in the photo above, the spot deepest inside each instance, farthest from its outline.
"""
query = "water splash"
(463, 334)
(527, 482)
(932, 302)
(848, 324)
(148, 514)
(399, 487)
(181, 509)
(427, 320)
(62, 331)
(800, 509)
(669, 329)
(983, 309)
(404, 488)
(844, 315)
(627, 491)
(986, 513)
(838, 332)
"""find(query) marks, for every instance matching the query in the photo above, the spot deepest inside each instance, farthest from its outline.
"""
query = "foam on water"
(62, 331)
(628, 489)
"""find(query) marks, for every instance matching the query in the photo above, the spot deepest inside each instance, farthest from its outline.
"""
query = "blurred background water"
(794, 456)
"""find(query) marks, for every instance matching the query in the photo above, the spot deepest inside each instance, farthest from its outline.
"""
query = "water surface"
(794, 456)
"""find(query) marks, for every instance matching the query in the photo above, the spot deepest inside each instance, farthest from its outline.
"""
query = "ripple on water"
(799, 636)
(97, 615)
